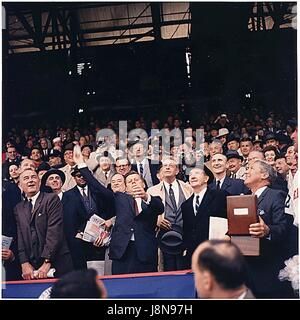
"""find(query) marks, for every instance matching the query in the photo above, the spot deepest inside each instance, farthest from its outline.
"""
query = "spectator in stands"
(41, 241)
(220, 271)
(12, 158)
(270, 152)
(122, 166)
(235, 170)
(104, 171)
(246, 146)
(143, 165)
(233, 142)
(14, 173)
(26, 164)
(68, 157)
(214, 147)
(86, 151)
(55, 159)
(80, 284)
(281, 166)
(173, 193)
(270, 139)
(57, 144)
(45, 150)
(35, 156)
(221, 181)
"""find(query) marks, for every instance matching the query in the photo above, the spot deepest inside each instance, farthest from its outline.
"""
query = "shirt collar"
(34, 197)
(201, 193)
(259, 191)
(86, 189)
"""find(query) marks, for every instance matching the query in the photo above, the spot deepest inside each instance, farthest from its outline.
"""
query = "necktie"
(83, 193)
(29, 203)
(141, 170)
(197, 203)
(172, 197)
(233, 175)
(136, 208)
(218, 184)
(86, 200)
(106, 175)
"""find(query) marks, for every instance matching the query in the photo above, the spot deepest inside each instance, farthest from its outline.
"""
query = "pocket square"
(39, 214)
(261, 212)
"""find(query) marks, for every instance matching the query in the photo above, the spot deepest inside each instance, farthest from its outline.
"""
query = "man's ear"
(207, 280)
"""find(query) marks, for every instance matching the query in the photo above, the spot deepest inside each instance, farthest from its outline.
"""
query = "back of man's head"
(225, 264)
(79, 284)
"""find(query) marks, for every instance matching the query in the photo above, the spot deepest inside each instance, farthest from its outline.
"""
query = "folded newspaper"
(6, 242)
(95, 228)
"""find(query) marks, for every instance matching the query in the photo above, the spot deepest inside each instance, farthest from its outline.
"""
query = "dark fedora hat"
(171, 241)
(233, 154)
(53, 171)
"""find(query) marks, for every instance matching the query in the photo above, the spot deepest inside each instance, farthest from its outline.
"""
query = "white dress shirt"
(33, 199)
(259, 191)
(86, 190)
(139, 205)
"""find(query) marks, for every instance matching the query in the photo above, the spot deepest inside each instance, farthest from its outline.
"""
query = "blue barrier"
(165, 285)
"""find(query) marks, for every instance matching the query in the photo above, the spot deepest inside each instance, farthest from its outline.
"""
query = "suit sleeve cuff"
(82, 165)
(149, 199)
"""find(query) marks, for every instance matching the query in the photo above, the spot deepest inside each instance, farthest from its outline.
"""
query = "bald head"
(219, 267)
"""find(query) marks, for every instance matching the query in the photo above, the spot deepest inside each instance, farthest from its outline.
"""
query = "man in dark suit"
(221, 181)
(80, 203)
(133, 246)
(197, 210)
(142, 165)
(41, 241)
(45, 150)
(272, 231)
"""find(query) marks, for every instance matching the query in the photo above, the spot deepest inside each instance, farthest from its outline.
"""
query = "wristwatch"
(47, 261)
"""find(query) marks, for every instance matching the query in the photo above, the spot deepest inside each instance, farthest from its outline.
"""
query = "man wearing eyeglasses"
(122, 166)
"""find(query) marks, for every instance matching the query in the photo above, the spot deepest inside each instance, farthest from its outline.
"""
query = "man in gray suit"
(41, 241)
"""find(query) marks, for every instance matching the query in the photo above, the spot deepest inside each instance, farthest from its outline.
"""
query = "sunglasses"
(78, 175)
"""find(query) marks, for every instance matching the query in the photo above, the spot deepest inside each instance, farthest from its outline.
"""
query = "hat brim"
(50, 172)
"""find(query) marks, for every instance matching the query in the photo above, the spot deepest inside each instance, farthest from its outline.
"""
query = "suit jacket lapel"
(261, 197)
(226, 183)
(204, 203)
(37, 205)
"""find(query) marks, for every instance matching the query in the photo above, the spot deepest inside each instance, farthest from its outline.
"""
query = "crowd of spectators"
(157, 202)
